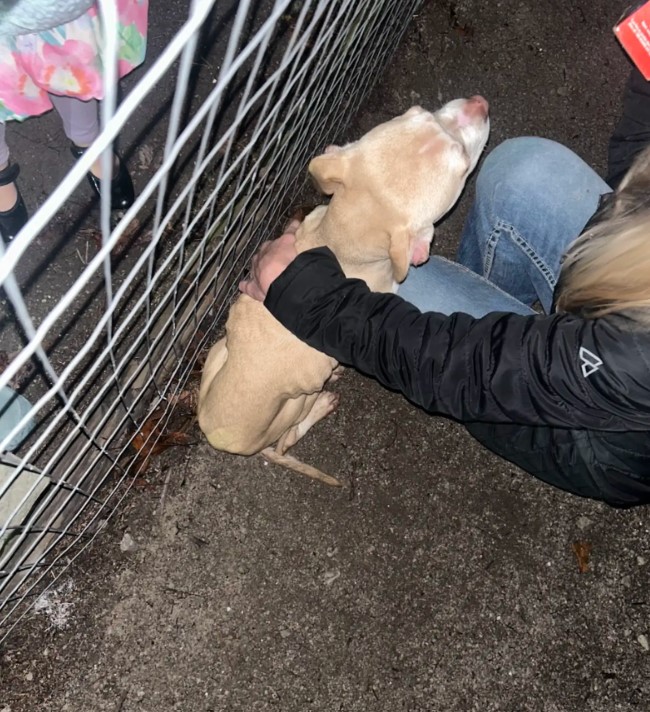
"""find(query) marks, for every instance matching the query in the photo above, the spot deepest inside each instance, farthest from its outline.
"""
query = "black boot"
(12, 220)
(122, 192)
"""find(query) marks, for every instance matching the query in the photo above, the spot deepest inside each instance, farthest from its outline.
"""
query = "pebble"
(643, 641)
(641, 560)
(330, 576)
(128, 543)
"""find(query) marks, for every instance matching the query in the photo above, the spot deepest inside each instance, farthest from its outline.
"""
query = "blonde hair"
(606, 271)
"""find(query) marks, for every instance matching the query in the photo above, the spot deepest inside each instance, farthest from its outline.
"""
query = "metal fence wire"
(121, 338)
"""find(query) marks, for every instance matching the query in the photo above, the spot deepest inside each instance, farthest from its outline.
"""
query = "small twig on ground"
(163, 494)
(85, 233)
(121, 701)
(182, 592)
(198, 540)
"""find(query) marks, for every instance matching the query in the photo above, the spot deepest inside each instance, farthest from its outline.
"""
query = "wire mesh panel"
(119, 339)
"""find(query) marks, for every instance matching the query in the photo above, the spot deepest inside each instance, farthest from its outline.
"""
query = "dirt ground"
(440, 578)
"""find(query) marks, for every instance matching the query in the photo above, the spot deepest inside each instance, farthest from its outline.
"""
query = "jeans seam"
(490, 251)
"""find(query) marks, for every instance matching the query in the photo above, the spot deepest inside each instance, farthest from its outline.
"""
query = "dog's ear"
(399, 252)
(329, 170)
(408, 246)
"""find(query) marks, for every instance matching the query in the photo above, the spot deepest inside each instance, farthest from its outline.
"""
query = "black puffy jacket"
(565, 398)
(632, 133)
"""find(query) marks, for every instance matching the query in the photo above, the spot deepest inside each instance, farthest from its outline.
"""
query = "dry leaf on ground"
(151, 439)
(582, 550)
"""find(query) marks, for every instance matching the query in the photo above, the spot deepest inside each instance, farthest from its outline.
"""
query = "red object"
(633, 32)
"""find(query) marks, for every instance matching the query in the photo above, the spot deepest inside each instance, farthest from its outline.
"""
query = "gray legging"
(13, 407)
(80, 122)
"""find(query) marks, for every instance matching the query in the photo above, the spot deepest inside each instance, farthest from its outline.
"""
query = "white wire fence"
(118, 345)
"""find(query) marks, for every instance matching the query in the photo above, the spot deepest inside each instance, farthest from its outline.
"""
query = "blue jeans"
(533, 198)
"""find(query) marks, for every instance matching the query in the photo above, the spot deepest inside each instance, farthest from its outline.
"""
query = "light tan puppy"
(261, 385)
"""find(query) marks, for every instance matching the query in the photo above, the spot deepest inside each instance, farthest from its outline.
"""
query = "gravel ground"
(440, 578)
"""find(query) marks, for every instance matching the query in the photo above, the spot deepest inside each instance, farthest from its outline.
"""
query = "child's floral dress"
(66, 60)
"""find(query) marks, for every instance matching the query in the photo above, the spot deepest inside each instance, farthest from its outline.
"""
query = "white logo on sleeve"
(589, 362)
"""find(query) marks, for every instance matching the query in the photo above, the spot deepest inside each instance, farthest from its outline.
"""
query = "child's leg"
(80, 118)
(8, 193)
(80, 123)
(81, 126)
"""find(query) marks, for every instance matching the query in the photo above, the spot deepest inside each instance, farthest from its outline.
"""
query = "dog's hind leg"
(325, 403)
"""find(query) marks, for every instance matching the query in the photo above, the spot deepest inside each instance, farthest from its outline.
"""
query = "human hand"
(272, 258)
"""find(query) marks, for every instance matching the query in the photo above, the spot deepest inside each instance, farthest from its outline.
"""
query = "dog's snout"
(472, 111)
(477, 106)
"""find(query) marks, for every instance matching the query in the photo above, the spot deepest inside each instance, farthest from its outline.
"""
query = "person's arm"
(502, 368)
(632, 132)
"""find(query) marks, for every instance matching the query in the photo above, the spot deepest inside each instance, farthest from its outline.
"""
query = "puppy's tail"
(297, 466)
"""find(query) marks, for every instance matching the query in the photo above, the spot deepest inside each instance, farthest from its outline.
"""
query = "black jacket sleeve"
(632, 133)
(502, 368)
